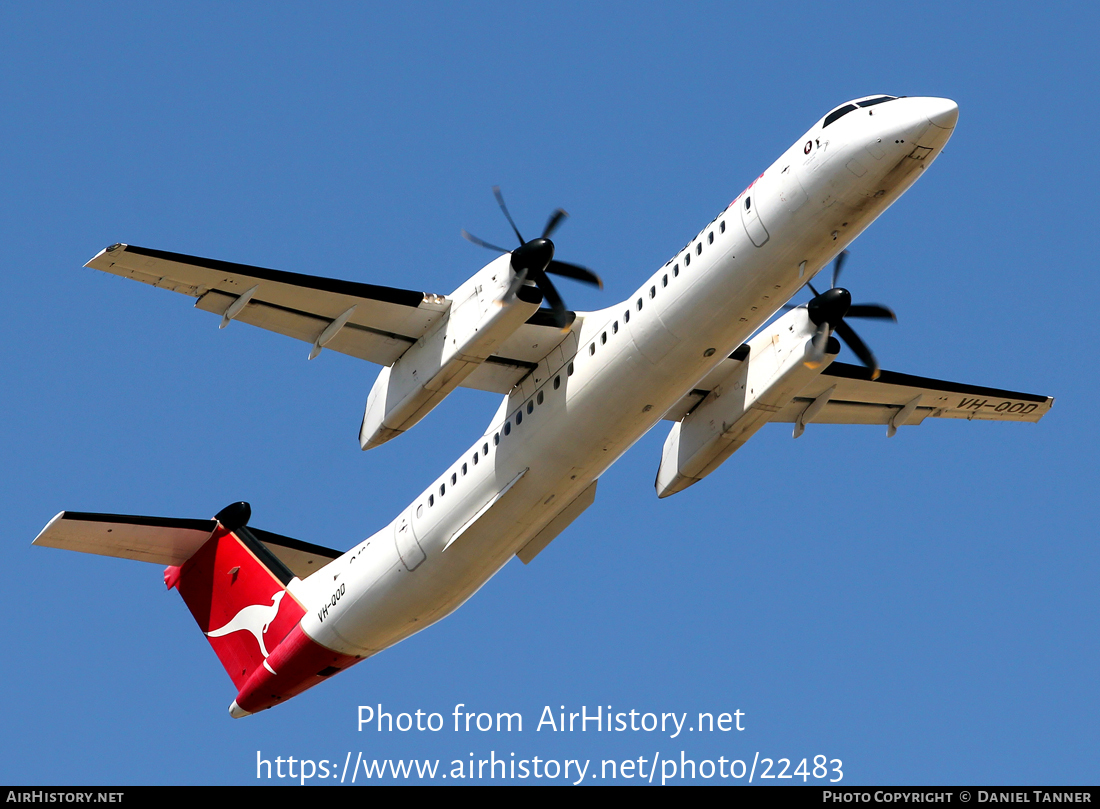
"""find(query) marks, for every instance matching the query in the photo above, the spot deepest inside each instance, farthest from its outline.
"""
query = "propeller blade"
(517, 281)
(531, 262)
(557, 306)
(838, 265)
(848, 335)
(552, 223)
(811, 286)
(574, 271)
(481, 242)
(820, 342)
(508, 216)
(872, 310)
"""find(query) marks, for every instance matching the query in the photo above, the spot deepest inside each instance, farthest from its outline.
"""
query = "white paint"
(620, 390)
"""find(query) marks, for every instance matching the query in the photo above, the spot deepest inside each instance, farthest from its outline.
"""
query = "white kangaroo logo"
(255, 618)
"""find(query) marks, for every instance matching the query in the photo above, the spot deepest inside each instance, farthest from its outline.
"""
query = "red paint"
(233, 596)
(743, 192)
(297, 662)
(225, 585)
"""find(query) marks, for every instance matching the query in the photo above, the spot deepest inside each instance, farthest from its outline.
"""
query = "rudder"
(236, 590)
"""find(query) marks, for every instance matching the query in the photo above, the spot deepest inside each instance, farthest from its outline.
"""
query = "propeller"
(534, 260)
(828, 309)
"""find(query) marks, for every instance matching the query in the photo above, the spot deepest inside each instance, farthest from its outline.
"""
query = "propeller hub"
(533, 262)
(830, 306)
(533, 256)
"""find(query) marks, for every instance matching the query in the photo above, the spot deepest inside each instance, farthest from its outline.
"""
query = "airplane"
(694, 345)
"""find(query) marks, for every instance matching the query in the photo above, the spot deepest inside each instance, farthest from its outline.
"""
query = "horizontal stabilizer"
(302, 558)
(166, 540)
(161, 540)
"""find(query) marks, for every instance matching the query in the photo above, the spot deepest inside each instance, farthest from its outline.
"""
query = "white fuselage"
(619, 371)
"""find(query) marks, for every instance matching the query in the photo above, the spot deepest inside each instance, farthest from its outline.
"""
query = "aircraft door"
(408, 547)
(791, 193)
(750, 217)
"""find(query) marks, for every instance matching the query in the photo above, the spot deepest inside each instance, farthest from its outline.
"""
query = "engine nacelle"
(477, 322)
(742, 402)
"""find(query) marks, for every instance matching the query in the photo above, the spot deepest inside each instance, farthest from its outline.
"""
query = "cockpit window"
(837, 114)
(870, 102)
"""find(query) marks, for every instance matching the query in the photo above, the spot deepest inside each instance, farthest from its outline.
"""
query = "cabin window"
(675, 270)
(626, 315)
(748, 203)
(496, 439)
(530, 406)
(569, 370)
(507, 428)
(557, 381)
(475, 459)
(653, 292)
(431, 500)
(687, 259)
(592, 349)
(603, 338)
(639, 304)
(710, 237)
(699, 249)
(463, 469)
(615, 327)
(721, 227)
(442, 489)
(664, 280)
(519, 418)
(539, 397)
(485, 449)
(454, 478)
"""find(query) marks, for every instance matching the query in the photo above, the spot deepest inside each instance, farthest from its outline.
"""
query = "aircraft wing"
(373, 323)
(860, 400)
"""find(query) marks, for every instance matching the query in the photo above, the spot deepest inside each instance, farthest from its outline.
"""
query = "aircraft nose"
(942, 112)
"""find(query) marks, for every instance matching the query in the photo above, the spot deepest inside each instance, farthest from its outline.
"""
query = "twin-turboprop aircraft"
(579, 389)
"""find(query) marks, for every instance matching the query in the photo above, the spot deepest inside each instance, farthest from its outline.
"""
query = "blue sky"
(923, 608)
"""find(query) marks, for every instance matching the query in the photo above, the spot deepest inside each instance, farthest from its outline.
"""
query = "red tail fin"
(236, 590)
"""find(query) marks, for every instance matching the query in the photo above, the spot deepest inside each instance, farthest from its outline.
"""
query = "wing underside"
(370, 322)
(859, 399)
